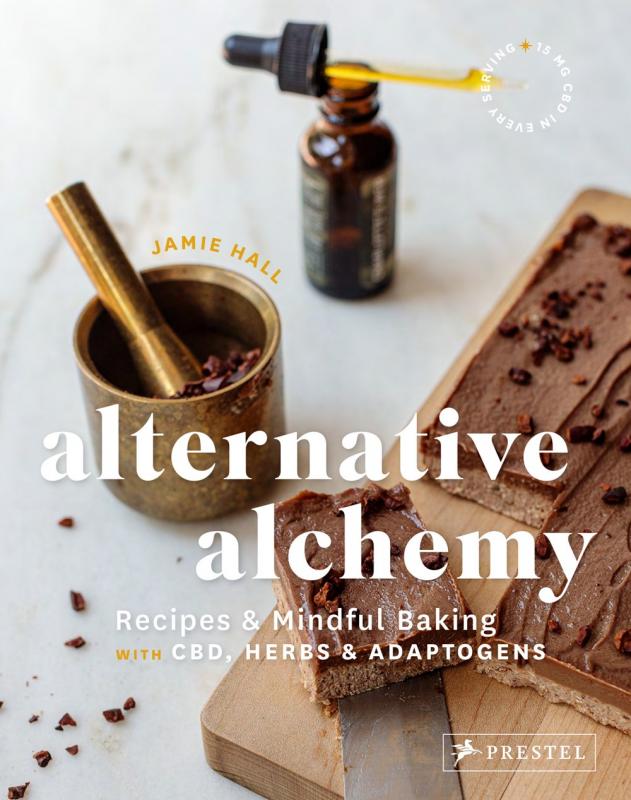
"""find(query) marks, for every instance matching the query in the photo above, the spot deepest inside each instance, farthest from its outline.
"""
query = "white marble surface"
(133, 98)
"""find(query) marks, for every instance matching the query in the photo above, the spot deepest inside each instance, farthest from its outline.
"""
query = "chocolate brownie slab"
(558, 361)
(587, 633)
(391, 511)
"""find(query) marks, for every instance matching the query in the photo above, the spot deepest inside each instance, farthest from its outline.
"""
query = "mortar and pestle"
(144, 337)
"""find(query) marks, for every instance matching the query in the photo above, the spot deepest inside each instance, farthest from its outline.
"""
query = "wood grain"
(260, 729)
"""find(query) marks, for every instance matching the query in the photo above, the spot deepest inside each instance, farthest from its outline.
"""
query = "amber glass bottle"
(348, 193)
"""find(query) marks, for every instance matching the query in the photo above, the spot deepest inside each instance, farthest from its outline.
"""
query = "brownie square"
(391, 511)
(557, 362)
(587, 633)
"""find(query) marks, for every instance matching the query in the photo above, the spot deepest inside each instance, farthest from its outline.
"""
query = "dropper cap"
(297, 57)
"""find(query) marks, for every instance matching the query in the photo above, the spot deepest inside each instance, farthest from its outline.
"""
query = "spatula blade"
(392, 742)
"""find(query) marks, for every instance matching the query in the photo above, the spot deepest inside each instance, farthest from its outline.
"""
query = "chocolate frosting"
(561, 361)
(388, 510)
(561, 355)
(580, 630)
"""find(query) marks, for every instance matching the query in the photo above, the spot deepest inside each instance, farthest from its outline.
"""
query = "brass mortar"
(213, 311)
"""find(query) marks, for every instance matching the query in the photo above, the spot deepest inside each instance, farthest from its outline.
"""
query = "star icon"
(525, 45)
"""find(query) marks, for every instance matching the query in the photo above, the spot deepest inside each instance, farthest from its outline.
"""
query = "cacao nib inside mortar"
(220, 372)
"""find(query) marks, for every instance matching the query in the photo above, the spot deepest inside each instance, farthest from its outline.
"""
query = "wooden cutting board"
(260, 729)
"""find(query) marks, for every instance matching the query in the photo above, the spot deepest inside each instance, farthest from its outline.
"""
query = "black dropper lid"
(297, 56)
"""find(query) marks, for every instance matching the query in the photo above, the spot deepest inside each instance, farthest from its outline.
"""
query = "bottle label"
(315, 224)
(378, 195)
(349, 230)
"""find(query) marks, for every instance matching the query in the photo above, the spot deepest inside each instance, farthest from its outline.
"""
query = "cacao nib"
(77, 601)
(580, 433)
(542, 546)
(221, 372)
(114, 715)
(584, 222)
(525, 424)
(582, 637)
(34, 718)
(129, 704)
(67, 720)
(374, 497)
(368, 565)
(625, 444)
(554, 626)
(550, 337)
(73, 749)
(214, 366)
(615, 496)
(434, 560)
(66, 522)
(210, 385)
(43, 758)
(558, 304)
(597, 411)
(618, 241)
(538, 354)
(77, 642)
(569, 338)
(17, 792)
(562, 353)
(507, 329)
(328, 596)
(599, 436)
(579, 380)
(519, 376)
(622, 641)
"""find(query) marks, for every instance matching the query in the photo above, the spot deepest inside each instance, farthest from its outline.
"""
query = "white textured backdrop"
(133, 98)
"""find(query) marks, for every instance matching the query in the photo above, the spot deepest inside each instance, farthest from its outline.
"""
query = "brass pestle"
(164, 363)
